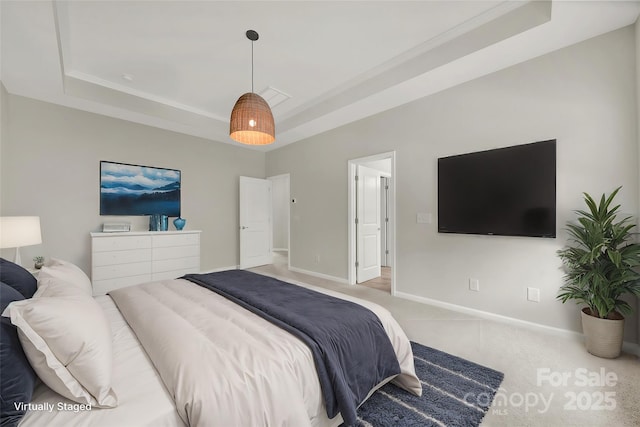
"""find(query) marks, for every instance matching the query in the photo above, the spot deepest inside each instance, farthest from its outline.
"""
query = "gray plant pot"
(603, 337)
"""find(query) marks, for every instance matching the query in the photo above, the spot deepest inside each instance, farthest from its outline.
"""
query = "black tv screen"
(507, 191)
(138, 190)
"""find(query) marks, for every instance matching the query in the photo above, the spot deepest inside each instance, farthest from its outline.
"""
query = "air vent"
(274, 96)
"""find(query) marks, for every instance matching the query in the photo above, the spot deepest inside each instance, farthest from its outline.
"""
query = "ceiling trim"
(506, 21)
(489, 27)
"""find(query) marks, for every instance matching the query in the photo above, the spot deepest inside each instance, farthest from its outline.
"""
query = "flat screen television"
(507, 191)
(138, 190)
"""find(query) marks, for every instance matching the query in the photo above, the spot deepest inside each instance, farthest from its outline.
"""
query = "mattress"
(143, 399)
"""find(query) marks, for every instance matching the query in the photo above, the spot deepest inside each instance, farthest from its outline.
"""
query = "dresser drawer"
(121, 257)
(120, 243)
(175, 252)
(192, 263)
(121, 270)
(168, 240)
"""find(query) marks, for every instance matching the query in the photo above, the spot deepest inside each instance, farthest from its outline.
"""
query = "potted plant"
(601, 265)
(38, 262)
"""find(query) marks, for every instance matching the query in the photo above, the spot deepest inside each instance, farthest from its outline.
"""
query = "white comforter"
(225, 366)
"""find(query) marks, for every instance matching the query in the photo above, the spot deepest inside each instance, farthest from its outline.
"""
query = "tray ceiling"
(181, 65)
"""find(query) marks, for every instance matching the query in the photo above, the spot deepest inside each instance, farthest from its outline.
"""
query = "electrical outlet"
(318, 259)
(474, 285)
(533, 294)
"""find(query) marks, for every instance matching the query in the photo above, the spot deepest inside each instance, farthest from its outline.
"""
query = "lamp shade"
(252, 121)
(18, 231)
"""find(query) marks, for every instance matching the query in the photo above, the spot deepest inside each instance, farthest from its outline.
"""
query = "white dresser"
(125, 259)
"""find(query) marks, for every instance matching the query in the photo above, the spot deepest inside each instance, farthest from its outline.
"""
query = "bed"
(193, 357)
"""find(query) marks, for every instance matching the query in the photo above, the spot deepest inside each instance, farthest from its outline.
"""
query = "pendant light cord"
(251, 66)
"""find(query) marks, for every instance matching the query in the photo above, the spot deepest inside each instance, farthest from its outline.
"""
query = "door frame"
(351, 214)
(288, 178)
(384, 224)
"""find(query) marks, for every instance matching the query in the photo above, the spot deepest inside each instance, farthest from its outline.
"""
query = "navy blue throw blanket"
(350, 347)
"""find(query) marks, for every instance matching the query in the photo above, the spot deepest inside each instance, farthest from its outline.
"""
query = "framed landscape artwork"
(138, 190)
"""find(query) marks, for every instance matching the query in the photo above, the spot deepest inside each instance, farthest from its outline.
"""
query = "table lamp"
(18, 231)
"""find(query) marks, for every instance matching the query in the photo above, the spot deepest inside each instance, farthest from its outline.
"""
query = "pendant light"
(251, 118)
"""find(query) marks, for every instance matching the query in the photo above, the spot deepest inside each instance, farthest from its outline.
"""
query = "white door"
(280, 215)
(255, 222)
(368, 227)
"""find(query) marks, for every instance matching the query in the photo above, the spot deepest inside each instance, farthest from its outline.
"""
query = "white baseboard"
(626, 346)
(320, 275)
(280, 249)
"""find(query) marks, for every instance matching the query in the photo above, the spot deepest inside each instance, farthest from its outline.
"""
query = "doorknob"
(243, 227)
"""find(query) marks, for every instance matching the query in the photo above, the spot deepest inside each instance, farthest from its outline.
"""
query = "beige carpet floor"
(550, 380)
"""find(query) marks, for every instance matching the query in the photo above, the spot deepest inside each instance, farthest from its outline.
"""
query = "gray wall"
(4, 125)
(50, 167)
(637, 31)
(583, 95)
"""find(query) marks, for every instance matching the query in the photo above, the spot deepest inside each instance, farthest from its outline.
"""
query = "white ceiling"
(181, 65)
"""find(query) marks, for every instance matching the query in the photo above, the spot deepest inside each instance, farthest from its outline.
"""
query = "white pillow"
(68, 343)
(57, 276)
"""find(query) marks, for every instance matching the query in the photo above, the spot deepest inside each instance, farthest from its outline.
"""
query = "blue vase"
(155, 222)
(179, 223)
(158, 222)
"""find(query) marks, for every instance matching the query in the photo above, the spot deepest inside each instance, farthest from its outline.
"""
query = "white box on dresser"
(129, 258)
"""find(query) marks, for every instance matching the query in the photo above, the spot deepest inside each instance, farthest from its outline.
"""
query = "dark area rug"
(455, 392)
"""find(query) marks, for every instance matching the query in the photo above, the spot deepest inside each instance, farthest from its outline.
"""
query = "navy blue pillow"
(18, 278)
(18, 379)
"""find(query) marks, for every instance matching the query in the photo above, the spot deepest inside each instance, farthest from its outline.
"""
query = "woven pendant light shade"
(252, 121)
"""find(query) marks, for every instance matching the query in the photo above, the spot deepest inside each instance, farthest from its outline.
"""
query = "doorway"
(371, 225)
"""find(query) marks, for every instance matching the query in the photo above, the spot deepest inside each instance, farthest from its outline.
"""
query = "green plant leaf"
(615, 257)
(601, 261)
